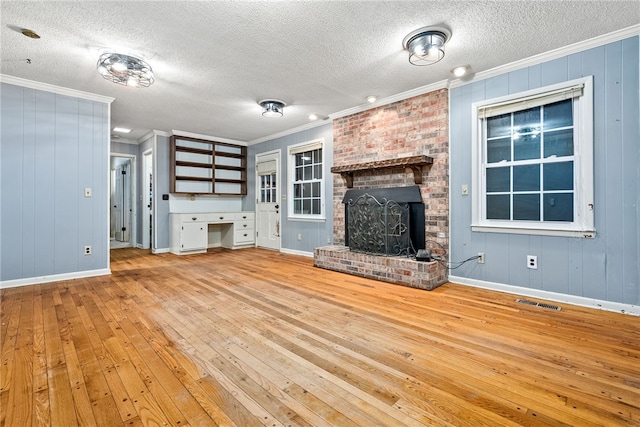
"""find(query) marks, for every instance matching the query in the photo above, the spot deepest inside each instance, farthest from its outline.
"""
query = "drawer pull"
(245, 234)
(221, 217)
(194, 218)
(244, 217)
(244, 225)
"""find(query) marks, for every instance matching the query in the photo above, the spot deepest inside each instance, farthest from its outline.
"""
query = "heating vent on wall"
(539, 304)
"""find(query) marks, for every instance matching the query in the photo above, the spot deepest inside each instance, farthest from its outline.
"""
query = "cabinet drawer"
(220, 217)
(193, 217)
(245, 216)
(242, 237)
(243, 225)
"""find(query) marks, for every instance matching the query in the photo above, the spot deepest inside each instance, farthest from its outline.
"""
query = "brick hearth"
(398, 270)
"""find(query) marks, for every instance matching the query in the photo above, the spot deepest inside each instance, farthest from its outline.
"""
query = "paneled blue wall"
(52, 147)
(314, 233)
(606, 267)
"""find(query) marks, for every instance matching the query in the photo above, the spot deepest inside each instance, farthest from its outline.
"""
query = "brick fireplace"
(396, 145)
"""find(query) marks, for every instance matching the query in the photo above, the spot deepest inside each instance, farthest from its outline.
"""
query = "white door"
(268, 200)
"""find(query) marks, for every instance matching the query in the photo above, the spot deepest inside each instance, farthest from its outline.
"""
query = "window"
(306, 189)
(534, 161)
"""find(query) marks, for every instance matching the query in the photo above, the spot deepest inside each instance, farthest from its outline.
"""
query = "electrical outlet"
(480, 257)
(87, 192)
(532, 262)
(328, 239)
(87, 250)
(465, 190)
(299, 236)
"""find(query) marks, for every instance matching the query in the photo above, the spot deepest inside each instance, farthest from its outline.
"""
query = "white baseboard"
(53, 278)
(160, 251)
(295, 252)
(633, 310)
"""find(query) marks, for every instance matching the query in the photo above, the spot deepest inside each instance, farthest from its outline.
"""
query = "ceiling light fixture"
(313, 116)
(426, 45)
(460, 71)
(125, 70)
(272, 107)
(121, 130)
(371, 99)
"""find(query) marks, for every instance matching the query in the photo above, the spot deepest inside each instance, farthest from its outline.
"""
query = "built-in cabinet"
(207, 167)
(195, 232)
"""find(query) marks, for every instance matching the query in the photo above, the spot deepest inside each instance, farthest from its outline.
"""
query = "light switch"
(87, 192)
(465, 189)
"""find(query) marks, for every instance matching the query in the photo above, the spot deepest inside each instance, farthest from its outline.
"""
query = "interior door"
(268, 200)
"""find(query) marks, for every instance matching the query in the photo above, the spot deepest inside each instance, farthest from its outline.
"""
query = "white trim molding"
(18, 81)
(297, 252)
(206, 137)
(630, 309)
(160, 251)
(54, 278)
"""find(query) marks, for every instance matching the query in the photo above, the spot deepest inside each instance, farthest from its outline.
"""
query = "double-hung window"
(306, 189)
(534, 160)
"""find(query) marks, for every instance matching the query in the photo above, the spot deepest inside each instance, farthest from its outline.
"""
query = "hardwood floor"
(255, 337)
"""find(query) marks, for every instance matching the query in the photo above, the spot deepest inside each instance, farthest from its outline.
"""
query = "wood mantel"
(414, 163)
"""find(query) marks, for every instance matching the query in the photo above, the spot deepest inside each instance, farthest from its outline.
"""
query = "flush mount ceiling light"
(272, 107)
(125, 70)
(121, 129)
(371, 99)
(426, 45)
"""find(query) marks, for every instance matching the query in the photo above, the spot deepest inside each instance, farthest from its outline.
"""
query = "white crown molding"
(306, 126)
(53, 278)
(617, 307)
(18, 81)
(551, 55)
(124, 141)
(390, 99)
(206, 137)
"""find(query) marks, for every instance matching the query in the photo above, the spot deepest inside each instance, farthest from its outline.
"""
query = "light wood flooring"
(259, 338)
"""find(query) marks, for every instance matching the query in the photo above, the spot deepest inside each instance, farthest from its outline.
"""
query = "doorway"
(122, 201)
(268, 200)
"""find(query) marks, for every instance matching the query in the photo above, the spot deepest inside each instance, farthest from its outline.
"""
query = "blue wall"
(314, 233)
(52, 146)
(604, 268)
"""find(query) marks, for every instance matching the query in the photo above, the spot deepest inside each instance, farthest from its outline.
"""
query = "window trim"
(583, 224)
(292, 150)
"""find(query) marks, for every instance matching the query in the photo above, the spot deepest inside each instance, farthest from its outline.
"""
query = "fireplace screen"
(380, 228)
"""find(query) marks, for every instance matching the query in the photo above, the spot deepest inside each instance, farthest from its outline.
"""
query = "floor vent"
(539, 304)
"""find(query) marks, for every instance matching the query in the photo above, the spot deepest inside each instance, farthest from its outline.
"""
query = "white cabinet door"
(193, 236)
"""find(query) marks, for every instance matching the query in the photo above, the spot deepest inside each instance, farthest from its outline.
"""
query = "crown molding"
(206, 137)
(443, 84)
(306, 126)
(581, 46)
(18, 81)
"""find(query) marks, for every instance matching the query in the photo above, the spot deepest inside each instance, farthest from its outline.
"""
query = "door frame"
(275, 154)
(134, 197)
(146, 240)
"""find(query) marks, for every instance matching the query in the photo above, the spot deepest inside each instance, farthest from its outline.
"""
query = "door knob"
(277, 206)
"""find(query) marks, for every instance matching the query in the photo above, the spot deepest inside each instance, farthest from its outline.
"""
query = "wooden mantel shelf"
(415, 163)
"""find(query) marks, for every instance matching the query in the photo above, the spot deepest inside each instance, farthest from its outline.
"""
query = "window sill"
(586, 234)
(306, 218)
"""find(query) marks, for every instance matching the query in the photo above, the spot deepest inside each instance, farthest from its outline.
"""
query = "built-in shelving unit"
(207, 167)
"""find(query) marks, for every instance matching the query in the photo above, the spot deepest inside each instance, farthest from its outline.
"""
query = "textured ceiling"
(213, 60)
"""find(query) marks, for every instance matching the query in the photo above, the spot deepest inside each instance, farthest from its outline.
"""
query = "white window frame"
(583, 221)
(292, 150)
